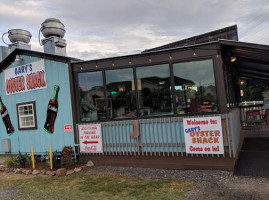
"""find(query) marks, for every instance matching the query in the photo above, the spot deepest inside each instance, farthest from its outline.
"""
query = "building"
(176, 106)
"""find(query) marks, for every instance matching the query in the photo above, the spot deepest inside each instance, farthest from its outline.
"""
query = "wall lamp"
(18, 59)
(233, 59)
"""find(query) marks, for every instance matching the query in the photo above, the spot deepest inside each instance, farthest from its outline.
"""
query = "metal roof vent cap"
(19, 35)
(19, 39)
(52, 27)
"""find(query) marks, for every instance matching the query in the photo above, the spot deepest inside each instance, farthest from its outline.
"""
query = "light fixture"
(113, 64)
(170, 57)
(81, 67)
(130, 61)
(150, 59)
(233, 59)
(194, 53)
(218, 54)
(96, 65)
(18, 59)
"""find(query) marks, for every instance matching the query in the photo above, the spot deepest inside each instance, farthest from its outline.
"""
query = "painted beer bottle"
(6, 118)
(52, 111)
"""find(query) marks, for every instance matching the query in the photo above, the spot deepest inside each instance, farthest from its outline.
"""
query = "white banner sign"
(26, 78)
(90, 138)
(203, 135)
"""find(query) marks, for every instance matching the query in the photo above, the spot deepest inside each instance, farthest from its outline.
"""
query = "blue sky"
(105, 28)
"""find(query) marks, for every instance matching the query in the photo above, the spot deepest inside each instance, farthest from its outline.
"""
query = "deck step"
(252, 164)
(253, 159)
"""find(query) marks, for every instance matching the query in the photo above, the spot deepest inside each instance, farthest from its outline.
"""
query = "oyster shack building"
(175, 106)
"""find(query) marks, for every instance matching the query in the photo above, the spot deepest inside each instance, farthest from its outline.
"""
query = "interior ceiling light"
(233, 59)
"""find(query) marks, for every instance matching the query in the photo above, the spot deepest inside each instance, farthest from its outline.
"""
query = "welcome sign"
(203, 135)
(26, 78)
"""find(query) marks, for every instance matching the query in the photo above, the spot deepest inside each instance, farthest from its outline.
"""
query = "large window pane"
(92, 101)
(195, 87)
(153, 84)
(121, 93)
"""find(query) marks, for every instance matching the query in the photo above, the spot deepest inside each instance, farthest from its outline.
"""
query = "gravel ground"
(211, 184)
(196, 175)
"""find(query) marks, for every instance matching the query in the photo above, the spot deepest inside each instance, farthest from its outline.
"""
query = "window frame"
(34, 115)
(214, 74)
(139, 116)
(106, 92)
(79, 94)
(134, 67)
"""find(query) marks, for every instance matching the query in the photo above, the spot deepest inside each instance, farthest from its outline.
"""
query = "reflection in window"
(121, 93)
(92, 101)
(153, 84)
(195, 87)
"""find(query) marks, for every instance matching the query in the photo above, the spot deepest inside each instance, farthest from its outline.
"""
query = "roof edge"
(10, 58)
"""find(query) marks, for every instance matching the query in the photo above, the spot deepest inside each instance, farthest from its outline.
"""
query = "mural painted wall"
(54, 73)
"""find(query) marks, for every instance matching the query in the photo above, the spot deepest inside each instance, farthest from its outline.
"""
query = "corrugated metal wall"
(56, 73)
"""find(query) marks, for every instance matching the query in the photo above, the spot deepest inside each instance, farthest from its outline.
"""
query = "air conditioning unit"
(6, 145)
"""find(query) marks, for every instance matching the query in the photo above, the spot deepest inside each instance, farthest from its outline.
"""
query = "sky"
(107, 28)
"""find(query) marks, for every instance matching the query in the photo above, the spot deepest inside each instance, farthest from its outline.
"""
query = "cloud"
(97, 29)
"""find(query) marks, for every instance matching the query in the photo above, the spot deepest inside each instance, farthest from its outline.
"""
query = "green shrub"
(11, 161)
(23, 160)
(20, 160)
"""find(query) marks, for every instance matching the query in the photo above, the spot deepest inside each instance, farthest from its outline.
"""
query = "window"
(154, 90)
(195, 87)
(121, 93)
(26, 116)
(92, 99)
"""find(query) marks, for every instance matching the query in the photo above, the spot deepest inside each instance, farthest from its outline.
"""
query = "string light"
(233, 59)
(194, 53)
(218, 54)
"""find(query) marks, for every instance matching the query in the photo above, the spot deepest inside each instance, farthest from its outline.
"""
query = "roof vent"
(52, 27)
(19, 35)
(19, 39)
(53, 31)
